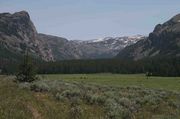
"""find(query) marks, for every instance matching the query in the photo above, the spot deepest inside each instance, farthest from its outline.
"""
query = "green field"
(91, 96)
(166, 83)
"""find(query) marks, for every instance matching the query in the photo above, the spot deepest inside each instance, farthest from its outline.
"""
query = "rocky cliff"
(18, 33)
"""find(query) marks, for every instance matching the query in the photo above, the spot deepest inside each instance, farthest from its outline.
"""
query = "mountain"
(108, 47)
(164, 41)
(17, 33)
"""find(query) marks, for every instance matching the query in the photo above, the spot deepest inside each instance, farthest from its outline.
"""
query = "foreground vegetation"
(18, 102)
(93, 96)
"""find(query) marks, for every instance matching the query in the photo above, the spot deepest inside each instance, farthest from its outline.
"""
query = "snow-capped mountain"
(115, 39)
(107, 47)
(116, 43)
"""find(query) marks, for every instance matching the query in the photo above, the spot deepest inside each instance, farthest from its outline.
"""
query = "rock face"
(163, 41)
(18, 33)
(55, 44)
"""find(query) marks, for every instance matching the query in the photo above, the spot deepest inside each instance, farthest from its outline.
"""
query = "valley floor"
(166, 83)
(91, 96)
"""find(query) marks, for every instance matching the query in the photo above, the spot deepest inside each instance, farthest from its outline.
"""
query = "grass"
(18, 102)
(166, 83)
(91, 96)
(117, 102)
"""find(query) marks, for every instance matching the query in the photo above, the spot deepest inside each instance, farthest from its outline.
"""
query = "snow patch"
(125, 41)
(98, 40)
(114, 42)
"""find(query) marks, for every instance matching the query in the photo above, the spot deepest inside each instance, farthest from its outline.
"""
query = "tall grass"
(117, 102)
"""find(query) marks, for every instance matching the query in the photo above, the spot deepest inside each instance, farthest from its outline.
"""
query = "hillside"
(163, 41)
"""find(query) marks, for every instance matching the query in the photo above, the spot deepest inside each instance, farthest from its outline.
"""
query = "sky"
(91, 19)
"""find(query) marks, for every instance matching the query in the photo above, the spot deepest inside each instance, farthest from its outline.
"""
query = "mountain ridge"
(163, 41)
(92, 49)
(18, 33)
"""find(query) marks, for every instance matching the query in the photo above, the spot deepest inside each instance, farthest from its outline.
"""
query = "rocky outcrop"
(18, 33)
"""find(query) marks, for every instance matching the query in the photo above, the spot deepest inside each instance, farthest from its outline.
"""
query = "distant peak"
(22, 13)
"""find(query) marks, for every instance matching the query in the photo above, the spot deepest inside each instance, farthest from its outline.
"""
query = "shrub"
(75, 111)
(125, 102)
(59, 97)
(71, 93)
(40, 87)
(116, 111)
(112, 109)
(24, 85)
(95, 99)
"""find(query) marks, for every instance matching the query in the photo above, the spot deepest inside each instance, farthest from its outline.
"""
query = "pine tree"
(27, 71)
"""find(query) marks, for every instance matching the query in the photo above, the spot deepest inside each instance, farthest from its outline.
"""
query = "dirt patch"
(34, 112)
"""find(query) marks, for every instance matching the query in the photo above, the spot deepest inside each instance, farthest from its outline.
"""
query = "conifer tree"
(27, 71)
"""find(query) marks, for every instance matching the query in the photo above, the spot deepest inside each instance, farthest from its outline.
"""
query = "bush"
(125, 102)
(59, 97)
(113, 109)
(96, 99)
(40, 87)
(24, 85)
(75, 111)
(71, 93)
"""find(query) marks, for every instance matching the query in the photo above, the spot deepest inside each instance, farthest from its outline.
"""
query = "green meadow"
(91, 96)
(166, 83)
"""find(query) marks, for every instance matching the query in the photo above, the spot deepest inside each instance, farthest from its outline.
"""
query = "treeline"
(9, 62)
(90, 66)
(157, 66)
(8, 66)
(162, 66)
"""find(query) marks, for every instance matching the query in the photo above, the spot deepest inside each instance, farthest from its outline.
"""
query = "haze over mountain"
(18, 33)
(163, 41)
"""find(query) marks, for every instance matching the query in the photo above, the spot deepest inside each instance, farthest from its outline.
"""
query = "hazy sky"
(89, 19)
